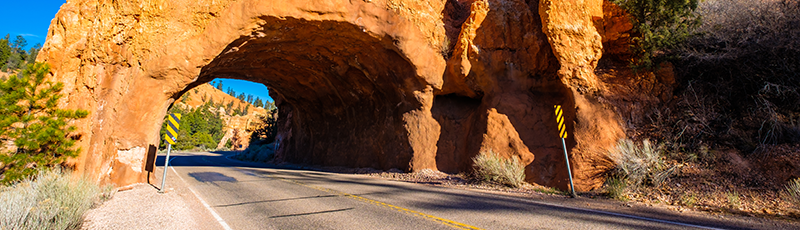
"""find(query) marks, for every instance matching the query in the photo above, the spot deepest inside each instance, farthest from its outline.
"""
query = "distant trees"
(13, 54)
(244, 97)
(199, 128)
(269, 106)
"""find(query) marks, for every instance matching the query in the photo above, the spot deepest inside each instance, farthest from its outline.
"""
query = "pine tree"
(219, 85)
(269, 106)
(33, 52)
(17, 57)
(661, 24)
(29, 117)
(5, 52)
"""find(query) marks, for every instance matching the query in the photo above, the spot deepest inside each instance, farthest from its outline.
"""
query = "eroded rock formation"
(406, 84)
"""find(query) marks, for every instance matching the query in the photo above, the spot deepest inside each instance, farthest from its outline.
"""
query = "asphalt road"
(257, 196)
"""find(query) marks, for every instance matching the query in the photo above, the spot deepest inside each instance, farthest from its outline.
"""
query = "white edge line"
(213, 213)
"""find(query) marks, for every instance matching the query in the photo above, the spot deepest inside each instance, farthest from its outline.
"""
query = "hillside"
(206, 93)
(236, 128)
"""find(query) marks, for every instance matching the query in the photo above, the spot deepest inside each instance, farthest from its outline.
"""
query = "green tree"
(258, 103)
(5, 52)
(228, 107)
(19, 44)
(18, 55)
(269, 106)
(237, 111)
(33, 53)
(661, 25)
(29, 117)
(219, 85)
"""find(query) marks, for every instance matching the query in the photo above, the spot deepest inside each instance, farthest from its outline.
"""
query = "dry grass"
(734, 202)
(740, 77)
(737, 28)
(636, 166)
(639, 164)
(793, 191)
(616, 188)
(52, 201)
(490, 166)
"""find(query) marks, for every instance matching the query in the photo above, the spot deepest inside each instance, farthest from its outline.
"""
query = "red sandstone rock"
(405, 84)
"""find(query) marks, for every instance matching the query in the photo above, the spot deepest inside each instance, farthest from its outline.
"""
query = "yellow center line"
(447, 222)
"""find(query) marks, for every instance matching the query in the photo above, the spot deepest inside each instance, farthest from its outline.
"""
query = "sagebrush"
(490, 166)
(638, 164)
(635, 165)
(53, 200)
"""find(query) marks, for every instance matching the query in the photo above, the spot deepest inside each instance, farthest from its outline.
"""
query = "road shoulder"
(140, 206)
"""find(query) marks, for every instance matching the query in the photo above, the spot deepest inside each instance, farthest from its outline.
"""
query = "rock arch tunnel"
(383, 84)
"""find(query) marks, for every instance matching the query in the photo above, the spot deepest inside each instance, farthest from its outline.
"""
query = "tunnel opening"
(222, 117)
(341, 92)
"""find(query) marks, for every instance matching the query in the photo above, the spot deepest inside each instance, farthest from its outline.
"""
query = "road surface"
(246, 195)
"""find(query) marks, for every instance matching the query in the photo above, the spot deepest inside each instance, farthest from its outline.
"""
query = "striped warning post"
(562, 133)
(173, 122)
(562, 128)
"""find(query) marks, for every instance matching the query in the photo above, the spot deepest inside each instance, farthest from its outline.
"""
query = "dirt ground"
(141, 206)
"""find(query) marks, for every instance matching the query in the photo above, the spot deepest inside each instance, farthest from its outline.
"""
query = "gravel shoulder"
(140, 206)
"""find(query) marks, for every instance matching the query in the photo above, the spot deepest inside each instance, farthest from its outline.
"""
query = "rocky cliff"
(406, 84)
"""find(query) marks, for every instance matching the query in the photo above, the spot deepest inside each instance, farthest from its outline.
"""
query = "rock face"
(406, 84)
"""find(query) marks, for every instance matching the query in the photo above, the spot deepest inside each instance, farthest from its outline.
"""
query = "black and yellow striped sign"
(562, 128)
(173, 122)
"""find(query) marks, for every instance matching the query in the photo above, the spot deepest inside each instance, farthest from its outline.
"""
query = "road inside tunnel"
(249, 195)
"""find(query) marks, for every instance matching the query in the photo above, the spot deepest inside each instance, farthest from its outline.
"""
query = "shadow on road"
(445, 199)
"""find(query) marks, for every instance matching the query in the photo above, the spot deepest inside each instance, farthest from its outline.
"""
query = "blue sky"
(31, 19)
(258, 90)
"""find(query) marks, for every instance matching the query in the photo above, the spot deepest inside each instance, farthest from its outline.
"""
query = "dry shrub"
(639, 164)
(732, 29)
(490, 166)
(740, 86)
(52, 201)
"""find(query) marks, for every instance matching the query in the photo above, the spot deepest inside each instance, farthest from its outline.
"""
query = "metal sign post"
(562, 133)
(173, 122)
